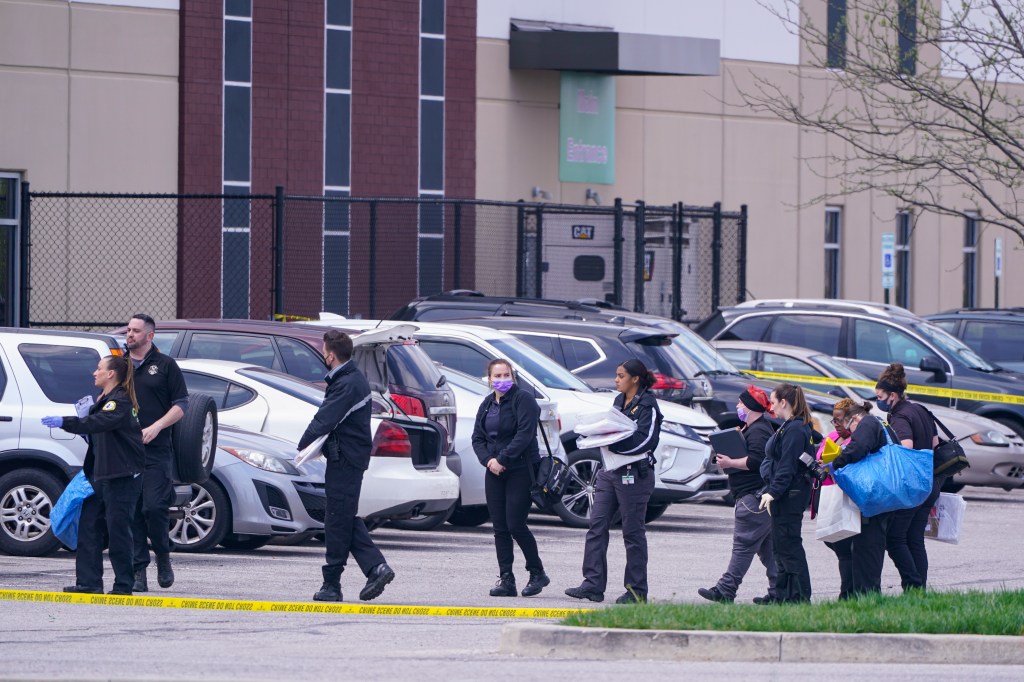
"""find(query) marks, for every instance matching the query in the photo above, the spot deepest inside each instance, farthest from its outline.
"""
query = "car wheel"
(27, 497)
(952, 486)
(424, 521)
(206, 521)
(469, 517)
(578, 498)
(234, 541)
(195, 439)
(655, 512)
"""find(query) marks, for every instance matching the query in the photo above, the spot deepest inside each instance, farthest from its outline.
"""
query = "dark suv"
(995, 334)
(717, 383)
(415, 384)
(869, 336)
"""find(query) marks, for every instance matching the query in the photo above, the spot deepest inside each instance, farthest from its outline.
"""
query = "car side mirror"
(935, 366)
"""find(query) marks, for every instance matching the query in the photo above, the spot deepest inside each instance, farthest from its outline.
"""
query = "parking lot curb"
(560, 641)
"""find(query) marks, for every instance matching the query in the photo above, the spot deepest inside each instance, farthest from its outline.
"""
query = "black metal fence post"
(520, 249)
(373, 261)
(278, 251)
(741, 264)
(457, 247)
(677, 262)
(617, 262)
(716, 257)
(25, 235)
(639, 257)
(539, 272)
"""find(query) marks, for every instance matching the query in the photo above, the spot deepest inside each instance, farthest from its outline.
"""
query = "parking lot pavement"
(689, 548)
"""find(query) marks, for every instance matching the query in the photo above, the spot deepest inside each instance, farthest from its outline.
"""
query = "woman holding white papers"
(626, 489)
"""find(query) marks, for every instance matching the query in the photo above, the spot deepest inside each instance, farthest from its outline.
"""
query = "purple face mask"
(501, 385)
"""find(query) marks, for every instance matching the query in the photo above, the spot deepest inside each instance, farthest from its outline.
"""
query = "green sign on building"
(587, 128)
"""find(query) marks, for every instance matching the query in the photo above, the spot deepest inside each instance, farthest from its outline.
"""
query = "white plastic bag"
(838, 516)
(613, 460)
(311, 451)
(946, 519)
(604, 422)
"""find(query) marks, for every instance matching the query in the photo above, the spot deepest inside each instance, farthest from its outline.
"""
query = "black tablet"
(729, 442)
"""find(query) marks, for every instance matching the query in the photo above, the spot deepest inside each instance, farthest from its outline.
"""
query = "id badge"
(627, 479)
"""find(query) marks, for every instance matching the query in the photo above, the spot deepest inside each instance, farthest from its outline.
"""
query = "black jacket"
(516, 443)
(159, 385)
(867, 439)
(910, 421)
(782, 471)
(115, 437)
(643, 409)
(345, 414)
(749, 481)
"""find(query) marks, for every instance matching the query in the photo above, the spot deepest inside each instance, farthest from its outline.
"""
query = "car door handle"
(6, 419)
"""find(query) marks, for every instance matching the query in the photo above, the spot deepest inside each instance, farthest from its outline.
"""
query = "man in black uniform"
(345, 415)
(163, 398)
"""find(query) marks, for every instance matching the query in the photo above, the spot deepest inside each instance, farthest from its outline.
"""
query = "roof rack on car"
(1014, 310)
(827, 304)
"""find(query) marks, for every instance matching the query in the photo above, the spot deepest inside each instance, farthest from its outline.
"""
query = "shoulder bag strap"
(949, 434)
(544, 435)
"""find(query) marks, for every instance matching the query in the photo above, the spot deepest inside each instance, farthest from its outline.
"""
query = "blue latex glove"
(831, 469)
(53, 422)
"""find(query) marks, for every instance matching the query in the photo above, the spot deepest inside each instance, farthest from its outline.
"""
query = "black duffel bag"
(549, 479)
(948, 456)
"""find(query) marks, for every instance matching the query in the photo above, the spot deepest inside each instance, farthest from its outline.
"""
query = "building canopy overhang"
(538, 45)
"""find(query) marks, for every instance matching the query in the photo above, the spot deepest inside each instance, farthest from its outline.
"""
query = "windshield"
(960, 353)
(841, 371)
(286, 383)
(668, 359)
(702, 353)
(543, 369)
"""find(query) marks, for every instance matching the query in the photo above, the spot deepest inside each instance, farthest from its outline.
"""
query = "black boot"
(164, 572)
(328, 592)
(140, 581)
(538, 581)
(505, 587)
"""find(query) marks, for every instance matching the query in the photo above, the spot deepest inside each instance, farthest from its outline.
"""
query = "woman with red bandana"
(752, 530)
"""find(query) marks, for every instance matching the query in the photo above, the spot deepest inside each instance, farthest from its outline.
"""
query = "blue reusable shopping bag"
(895, 477)
(66, 513)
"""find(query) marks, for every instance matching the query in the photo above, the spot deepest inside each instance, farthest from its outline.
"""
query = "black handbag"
(548, 482)
(948, 457)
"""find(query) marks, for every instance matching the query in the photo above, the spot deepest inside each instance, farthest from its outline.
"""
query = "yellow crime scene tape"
(912, 389)
(280, 606)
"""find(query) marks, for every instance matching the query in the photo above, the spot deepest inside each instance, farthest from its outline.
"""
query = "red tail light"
(667, 382)
(413, 407)
(391, 440)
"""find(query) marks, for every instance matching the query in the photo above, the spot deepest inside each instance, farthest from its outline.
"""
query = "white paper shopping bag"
(838, 517)
(946, 519)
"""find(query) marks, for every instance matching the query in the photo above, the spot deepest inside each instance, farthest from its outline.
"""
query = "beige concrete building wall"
(688, 139)
(90, 104)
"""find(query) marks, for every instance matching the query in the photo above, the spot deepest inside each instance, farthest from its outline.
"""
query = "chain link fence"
(95, 259)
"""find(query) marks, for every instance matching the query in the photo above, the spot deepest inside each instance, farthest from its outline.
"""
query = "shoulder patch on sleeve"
(110, 406)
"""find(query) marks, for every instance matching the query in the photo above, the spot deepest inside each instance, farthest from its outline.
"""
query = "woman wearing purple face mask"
(505, 441)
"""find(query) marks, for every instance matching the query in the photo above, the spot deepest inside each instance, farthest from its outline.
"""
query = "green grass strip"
(976, 613)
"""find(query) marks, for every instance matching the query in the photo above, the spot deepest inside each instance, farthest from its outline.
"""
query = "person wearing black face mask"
(915, 428)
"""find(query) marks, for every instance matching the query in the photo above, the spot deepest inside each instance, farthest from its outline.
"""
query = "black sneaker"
(140, 581)
(714, 594)
(164, 572)
(328, 592)
(380, 576)
(124, 593)
(538, 581)
(505, 587)
(84, 589)
(630, 597)
(584, 593)
(765, 600)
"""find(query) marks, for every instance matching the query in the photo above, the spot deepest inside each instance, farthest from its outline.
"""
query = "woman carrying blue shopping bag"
(867, 548)
(113, 465)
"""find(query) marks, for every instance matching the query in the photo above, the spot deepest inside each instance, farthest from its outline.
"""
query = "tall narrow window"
(971, 260)
(237, 132)
(337, 153)
(431, 215)
(833, 243)
(836, 39)
(907, 38)
(904, 226)
(10, 262)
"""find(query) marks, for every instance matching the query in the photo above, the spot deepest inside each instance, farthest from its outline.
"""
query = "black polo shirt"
(913, 422)
(159, 384)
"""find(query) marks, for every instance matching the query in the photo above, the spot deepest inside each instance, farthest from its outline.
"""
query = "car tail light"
(391, 440)
(666, 382)
(413, 407)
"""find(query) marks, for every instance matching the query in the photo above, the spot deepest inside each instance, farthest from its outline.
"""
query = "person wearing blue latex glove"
(53, 422)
